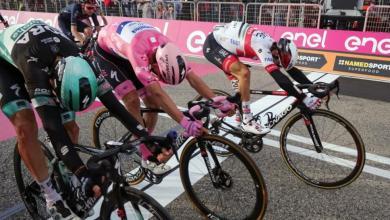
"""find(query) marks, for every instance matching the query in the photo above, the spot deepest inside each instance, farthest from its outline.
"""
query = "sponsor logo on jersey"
(32, 59)
(18, 32)
(16, 87)
(114, 75)
(41, 91)
(64, 150)
(85, 101)
(223, 52)
(235, 42)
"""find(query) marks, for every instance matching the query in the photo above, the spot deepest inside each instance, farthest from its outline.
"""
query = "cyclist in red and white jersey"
(134, 57)
(236, 39)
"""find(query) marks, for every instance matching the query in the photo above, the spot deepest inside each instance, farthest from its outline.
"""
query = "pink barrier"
(190, 35)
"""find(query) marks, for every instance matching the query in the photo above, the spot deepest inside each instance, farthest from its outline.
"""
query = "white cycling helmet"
(288, 53)
(172, 64)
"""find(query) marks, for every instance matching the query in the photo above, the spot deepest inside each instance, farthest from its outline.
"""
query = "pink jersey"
(134, 41)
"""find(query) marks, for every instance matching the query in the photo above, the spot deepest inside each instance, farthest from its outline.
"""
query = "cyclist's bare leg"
(150, 118)
(242, 73)
(28, 145)
(73, 131)
(132, 104)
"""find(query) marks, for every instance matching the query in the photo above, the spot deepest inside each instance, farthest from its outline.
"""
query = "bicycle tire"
(134, 196)
(101, 116)
(257, 199)
(31, 196)
(329, 157)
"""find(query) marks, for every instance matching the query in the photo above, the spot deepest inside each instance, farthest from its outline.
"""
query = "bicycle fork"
(216, 174)
(311, 128)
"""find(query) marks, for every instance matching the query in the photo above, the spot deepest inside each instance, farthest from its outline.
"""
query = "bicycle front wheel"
(29, 190)
(137, 205)
(340, 161)
(222, 187)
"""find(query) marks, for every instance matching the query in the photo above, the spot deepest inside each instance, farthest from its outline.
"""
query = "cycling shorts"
(219, 56)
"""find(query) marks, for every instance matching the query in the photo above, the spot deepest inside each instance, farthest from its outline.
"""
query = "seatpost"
(2, 20)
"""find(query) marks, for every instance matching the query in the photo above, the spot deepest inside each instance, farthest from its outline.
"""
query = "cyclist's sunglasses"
(91, 8)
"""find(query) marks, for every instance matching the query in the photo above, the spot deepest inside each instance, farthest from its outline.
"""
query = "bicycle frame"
(273, 118)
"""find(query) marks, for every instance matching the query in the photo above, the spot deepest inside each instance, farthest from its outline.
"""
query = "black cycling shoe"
(60, 211)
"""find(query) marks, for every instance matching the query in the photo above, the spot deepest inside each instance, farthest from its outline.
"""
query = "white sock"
(50, 193)
(247, 114)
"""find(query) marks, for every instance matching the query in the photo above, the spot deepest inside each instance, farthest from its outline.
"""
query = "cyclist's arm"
(284, 82)
(95, 20)
(37, 83)
(51, 120)
(117, 109)
(161, 98)
(298, 76)
(76, 34)
(199, 85)
(103, 18)
(265, 56)
(75, 11)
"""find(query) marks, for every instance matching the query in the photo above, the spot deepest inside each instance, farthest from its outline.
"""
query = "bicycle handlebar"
(117, 147)
(202, 108)
(321, 89)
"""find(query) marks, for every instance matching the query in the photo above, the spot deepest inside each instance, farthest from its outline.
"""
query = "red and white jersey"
(245, 40)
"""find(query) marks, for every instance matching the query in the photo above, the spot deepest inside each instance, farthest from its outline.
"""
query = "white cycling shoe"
(254, 128)
(156, 169)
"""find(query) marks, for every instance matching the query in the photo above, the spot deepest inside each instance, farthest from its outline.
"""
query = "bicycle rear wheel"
(234, 189)
(29, 190)
(108, 128)
(137, 205)
(341, 160)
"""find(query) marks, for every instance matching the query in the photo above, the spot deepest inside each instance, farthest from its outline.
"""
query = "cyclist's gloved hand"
(312, 102)
(91, 183)
(226, 107)
(193, 128)
(156, 153)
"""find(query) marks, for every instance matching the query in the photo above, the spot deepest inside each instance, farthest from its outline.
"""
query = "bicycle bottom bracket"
(253, 144)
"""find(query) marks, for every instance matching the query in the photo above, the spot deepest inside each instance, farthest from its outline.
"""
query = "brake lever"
(337, 87)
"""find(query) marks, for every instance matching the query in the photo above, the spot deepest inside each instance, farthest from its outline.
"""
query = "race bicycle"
(217, 186)
(320, 147)
(119, 200)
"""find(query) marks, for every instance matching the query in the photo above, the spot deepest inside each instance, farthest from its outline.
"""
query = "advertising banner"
(362, 54)
(374, 67)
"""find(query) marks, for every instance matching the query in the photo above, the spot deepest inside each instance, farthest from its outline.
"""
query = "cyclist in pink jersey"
(236, 39)
(134, 57)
